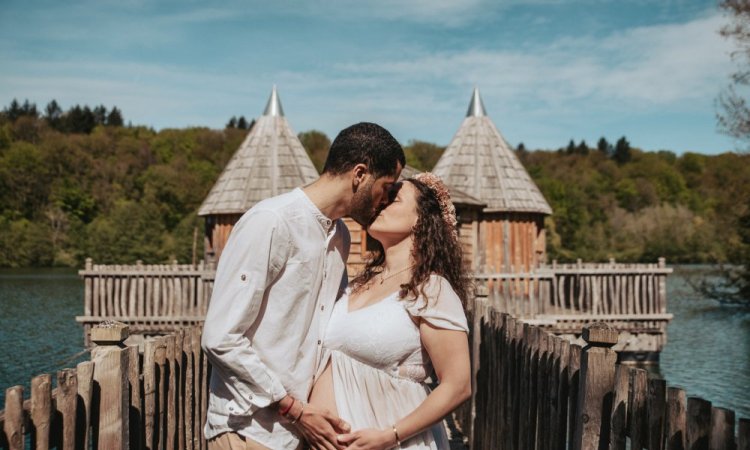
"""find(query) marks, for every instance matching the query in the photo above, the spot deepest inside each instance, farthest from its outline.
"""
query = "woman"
(401, 318)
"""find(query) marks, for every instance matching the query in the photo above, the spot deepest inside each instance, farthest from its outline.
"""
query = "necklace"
(383, 278)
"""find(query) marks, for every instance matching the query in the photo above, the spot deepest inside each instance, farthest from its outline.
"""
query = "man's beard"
(362, 210)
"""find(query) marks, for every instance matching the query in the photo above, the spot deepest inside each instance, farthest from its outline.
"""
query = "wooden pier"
(532, 390)
(158, 299)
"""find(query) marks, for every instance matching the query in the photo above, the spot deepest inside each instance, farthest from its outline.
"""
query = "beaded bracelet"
(398, 439)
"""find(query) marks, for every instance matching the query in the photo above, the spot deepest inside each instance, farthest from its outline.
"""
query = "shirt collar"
(321, 218)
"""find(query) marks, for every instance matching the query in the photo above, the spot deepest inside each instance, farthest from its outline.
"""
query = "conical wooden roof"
(479, 162)
(270, 161)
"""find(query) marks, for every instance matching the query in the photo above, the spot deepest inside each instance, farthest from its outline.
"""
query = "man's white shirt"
(278, 278)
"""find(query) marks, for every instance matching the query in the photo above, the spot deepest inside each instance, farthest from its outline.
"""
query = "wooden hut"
(270, 161)
(478, 161)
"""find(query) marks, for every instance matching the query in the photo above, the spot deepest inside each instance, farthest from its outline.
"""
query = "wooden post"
(110, 374)
(698, 423)
(596, 386)
(676, 419)
(722, 429)
(135, 410)
(743, 435)
(67, 399)
(637, 408)
(657, 410)
(13, 425)
(620, 408)
(41, 409)
(85, 374)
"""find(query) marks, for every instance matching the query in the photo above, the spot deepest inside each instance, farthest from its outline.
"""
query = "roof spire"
(476, 107)
(273, 107)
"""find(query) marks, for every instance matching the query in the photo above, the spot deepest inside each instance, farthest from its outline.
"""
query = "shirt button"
(319, 342)
(322, 307)
(243, 277)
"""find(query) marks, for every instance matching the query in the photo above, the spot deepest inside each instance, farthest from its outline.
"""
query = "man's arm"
(253, 257)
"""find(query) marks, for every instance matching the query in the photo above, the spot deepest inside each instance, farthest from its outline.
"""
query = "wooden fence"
(535, 390)
(606, 289)
(151, 299)
(118, 400)
(531, 390)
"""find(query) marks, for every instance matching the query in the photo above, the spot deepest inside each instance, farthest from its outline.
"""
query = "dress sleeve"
(442, 307)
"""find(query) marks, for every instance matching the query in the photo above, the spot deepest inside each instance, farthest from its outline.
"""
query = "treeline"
(119, 194)
(77, 119)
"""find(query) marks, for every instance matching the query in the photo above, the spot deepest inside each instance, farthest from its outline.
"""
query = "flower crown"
(436, 185)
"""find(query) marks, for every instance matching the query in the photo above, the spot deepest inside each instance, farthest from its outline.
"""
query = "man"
(278, 278)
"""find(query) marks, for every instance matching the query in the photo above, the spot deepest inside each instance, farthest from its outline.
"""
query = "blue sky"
(548, 70)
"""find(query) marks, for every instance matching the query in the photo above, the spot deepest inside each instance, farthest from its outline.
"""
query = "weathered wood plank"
(698, 423)
(13, 421)
(596, 384)
(637, 409)
(85, 375)
(41, 409)
(743, 434)
(135, 410)
(657, 410)
(676, 419)
(67, 397)
(722, 429)
(110, 373)
(620, 408)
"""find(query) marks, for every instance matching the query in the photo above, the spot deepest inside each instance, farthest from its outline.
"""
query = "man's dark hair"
(365, 143)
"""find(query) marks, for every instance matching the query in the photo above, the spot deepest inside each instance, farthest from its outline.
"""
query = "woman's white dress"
(379, 366)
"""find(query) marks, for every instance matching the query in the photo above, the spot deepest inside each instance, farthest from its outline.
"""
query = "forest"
(81, 183)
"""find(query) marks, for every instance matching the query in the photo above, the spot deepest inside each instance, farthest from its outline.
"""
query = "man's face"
(372, 195)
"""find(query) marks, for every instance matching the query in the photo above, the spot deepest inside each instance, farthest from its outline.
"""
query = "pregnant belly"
(322, 395)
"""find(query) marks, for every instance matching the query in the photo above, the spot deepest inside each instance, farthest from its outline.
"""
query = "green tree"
(604, 147)
(734, 114)
(242, 123)
(53, 114)
(622, 152)
(232, 123)
(316, 144)
(422, 155)
(114, 118)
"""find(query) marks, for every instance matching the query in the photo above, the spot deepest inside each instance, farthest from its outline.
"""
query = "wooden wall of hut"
(511, 242)
(218, 228)
(358, 250)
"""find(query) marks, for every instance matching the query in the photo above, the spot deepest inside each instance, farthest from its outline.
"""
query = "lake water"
(708, 349)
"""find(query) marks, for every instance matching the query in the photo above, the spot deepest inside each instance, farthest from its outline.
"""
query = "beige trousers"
(233, 441)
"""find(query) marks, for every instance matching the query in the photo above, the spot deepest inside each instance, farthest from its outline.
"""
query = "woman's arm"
(449, 352)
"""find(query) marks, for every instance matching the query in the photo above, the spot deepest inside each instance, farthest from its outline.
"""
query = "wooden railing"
(151, 299)
(118, 400)
(606, 289)
(535, 390)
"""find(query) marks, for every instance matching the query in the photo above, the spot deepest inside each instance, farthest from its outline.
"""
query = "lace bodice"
(384, 335)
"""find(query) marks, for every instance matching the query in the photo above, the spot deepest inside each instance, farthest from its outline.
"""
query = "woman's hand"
(369, 439)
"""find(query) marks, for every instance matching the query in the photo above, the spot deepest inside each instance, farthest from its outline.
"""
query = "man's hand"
(320, 428)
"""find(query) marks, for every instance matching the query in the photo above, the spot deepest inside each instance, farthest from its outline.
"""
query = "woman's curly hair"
(435, 250)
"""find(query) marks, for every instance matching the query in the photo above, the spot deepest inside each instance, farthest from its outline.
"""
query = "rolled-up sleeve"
(252, 259)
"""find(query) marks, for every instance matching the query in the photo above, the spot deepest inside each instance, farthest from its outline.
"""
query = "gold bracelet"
(398, 439)
(302, 409)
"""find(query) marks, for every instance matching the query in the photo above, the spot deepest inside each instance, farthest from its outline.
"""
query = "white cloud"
(652, 66)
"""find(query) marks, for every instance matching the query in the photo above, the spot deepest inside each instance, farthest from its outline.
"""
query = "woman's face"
(397, 220)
